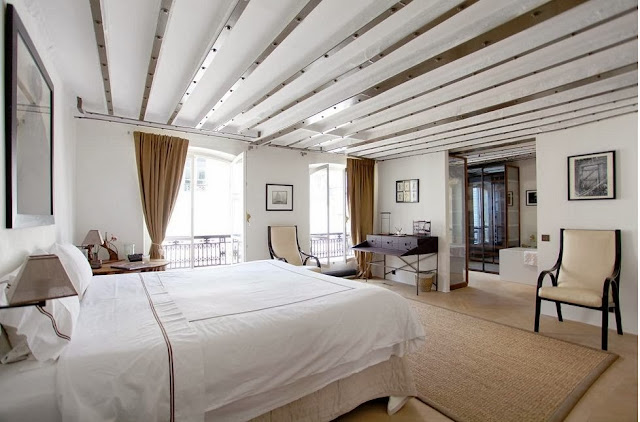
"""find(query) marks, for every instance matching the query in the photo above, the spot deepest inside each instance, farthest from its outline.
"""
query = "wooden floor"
(613, 397)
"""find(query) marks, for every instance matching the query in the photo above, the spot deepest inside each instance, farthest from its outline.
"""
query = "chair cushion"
(588, 258)
(573, 294)
(314, 269)
(285, 244)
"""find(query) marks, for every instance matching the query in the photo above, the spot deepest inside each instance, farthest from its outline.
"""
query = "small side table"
(152, 265)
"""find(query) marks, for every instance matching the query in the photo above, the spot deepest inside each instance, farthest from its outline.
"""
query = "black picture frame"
(407, 191)
(34, 107)
(532, 198)
(278, 197)
(591, 176)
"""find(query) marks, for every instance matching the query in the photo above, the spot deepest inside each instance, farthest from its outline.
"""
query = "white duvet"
(239, 336)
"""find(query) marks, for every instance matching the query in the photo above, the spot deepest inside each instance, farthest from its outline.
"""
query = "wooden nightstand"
(152, 265)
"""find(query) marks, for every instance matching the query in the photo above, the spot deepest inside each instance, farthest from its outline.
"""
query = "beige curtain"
(160, 165)
(360, 196)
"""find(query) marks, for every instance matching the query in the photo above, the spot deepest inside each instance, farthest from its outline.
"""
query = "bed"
(257, 341)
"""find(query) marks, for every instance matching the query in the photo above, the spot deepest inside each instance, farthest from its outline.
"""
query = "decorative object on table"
(110, 246)
(41, 278)
(28, 151)
(279, 197)
(592, 176)
(92, 240)
(134, 257)
(398, 231)
(408, 190)
(532, 197)
(422, 228)
(510, 198)
(385, 222)
(129, 249)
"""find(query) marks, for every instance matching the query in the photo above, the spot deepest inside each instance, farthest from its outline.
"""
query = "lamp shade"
(93, 238)
(42, 277)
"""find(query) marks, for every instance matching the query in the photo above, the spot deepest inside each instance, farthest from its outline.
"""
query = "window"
(202, 230)
(330, 234)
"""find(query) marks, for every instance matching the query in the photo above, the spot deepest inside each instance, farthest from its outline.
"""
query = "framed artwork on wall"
(532, 197)
(408, 190)
(592, 176)
(279, 197)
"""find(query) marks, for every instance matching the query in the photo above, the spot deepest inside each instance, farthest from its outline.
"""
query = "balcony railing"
(208, 250)
(335, 247)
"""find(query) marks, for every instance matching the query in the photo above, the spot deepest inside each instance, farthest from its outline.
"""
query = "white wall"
(108, 193)
(555, 211)
(432, 171)
(15, 244)
(281, 166)
(528, 214)
(109, 200)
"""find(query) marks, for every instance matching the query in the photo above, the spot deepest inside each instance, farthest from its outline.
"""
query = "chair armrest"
(549, 272)
(274, 256)
(310, 256)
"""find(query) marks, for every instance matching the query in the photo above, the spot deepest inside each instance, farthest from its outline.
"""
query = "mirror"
(28, 130)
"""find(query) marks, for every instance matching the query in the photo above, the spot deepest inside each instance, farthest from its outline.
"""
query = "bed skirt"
(389, 378)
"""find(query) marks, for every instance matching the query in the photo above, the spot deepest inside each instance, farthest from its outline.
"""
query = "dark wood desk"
(400, 247)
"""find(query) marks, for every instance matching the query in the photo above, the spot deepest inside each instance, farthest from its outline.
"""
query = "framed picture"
(279, 197)
(532, 197)
(408, 190)
(510, 198)
(592, 176)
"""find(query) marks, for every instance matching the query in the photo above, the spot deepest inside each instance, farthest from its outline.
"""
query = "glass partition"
(457, 221)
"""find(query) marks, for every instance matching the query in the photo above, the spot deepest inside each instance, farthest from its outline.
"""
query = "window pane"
(318, 195)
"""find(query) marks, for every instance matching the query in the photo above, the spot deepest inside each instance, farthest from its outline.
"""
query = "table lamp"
(91, 240)
(43, 277)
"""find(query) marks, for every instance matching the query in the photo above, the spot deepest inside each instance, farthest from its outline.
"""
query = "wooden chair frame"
(302, 254)
(612, 281)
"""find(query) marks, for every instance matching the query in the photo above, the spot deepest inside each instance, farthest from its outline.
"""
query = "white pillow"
(47, 330)
(75, 264)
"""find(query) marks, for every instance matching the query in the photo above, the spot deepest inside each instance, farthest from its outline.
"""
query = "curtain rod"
(142, 123)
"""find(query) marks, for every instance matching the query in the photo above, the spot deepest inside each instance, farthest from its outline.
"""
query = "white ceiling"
(372, 78)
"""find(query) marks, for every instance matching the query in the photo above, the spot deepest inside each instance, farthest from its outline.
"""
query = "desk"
(152, 265)
(401, 247)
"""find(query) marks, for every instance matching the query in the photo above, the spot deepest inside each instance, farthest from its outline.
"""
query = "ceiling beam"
(216, 44)
(472, 22)
(308, 8)
(156, 47)
(600, 87)
(570, 107)
(517, 135)
(101, 43)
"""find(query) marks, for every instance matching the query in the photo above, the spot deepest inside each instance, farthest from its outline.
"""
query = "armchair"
(283, 245)
(586, 274)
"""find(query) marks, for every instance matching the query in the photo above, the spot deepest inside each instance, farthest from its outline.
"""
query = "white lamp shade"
(94, 237)
(42, 277)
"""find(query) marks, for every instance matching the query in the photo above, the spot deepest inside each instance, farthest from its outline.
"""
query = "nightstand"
(140, 267)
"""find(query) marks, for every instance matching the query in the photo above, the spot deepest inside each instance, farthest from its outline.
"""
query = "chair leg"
(605, 326)
(536, 326)
(559, 311)
(616, 301)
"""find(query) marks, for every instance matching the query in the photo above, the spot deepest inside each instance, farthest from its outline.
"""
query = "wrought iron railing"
(333, 249)
(208, 250)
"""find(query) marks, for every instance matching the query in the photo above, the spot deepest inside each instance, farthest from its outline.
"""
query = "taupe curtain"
(160, 165)
(360, 196)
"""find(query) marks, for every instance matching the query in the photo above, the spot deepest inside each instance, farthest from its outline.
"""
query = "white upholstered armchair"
(586, 274)
(283, 245)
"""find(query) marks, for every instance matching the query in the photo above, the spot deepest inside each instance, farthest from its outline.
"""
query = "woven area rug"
(476, 370)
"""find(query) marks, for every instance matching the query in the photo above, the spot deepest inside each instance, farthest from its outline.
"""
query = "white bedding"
(258, 328)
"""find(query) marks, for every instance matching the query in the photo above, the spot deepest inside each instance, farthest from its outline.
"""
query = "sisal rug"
(476, 370)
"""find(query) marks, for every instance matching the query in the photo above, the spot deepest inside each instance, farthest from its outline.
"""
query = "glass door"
(457, 222)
